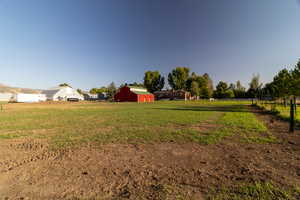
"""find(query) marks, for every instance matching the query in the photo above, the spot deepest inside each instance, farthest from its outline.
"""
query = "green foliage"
(208, 92)
(98, 90)
(285, 84)
(195, 90)
(79, 91)
(111, 90)
(257, 190)
(64, 85)
(255, 86)
(178, 78)
(223, 91)
(282, 82)
(229, 94)
(135, 84)
(153, 81)
(201, 90)
(239, 90)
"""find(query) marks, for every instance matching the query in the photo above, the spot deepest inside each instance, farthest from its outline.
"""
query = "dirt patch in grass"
(30, 170)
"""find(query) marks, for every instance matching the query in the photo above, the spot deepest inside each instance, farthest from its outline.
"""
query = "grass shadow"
(231, 108)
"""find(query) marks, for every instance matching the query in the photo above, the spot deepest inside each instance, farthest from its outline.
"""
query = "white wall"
(66, 92)
(29, 98)
(5, 96)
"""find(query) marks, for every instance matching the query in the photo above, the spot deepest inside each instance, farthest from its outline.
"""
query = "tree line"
(179, 79)
(284, 85)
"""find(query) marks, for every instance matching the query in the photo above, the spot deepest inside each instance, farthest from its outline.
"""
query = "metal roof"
(137, 92)
(50, 93)
(136, 87)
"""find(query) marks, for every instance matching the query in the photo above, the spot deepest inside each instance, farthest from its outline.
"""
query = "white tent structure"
(64, 93)
(6, 96)
(28, 98)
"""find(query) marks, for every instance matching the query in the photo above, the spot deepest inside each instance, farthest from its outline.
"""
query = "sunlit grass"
(258, 190)
(66, 124)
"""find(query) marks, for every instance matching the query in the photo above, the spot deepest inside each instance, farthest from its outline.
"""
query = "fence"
(286, 110)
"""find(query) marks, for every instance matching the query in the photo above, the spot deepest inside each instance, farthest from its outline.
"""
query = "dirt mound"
(29, 170)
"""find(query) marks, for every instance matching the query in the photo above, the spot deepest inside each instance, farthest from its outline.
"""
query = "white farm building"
(64, 93)
(28, 98)
(6, 96)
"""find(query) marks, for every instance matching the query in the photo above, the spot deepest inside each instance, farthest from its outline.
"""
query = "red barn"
(134, 94)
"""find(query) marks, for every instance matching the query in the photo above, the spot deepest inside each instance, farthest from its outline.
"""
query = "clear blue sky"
(89, 43)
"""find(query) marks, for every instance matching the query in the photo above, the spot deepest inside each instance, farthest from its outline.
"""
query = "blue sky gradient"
(92, 43)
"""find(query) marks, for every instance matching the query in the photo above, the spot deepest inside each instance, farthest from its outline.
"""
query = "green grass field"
(177, 121)
(281, 110)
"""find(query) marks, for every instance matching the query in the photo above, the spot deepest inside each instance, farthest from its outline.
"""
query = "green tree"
(64, 85)
(229, 93)
(210, 86)
(111, 90)
(178, 78)
(254, 86)
(79, 91)
(202, 84)
(136, 84)
(239, 91)
(153, 81)
(98, 90)
(221, 90)
(94, 90)
(195, 90)
(282, 81)
(295, 83)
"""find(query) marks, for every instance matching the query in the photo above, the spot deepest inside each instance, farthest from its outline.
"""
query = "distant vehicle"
(73, 99)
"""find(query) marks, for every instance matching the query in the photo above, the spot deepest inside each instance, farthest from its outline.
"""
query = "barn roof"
(50, 93)
(136, 87)
(138, 92)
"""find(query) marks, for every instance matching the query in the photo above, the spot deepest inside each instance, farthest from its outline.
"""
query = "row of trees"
(180, 79)
(285, 84)
(237, 90)
(109, 90)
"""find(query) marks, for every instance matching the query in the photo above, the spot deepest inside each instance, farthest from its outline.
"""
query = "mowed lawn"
(65, 124)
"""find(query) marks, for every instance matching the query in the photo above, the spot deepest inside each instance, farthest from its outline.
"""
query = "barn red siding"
(125, 95)
(145, 98)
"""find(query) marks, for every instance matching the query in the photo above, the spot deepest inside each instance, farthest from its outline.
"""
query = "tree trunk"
(285, 102)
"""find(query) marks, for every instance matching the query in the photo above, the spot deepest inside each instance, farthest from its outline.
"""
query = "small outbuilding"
(64, 93)
(6, 96)
(134, 94)
(28, 98)
(89, 96)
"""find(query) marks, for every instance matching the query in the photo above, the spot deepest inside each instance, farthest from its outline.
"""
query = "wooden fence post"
(295, 104)
(292, 118)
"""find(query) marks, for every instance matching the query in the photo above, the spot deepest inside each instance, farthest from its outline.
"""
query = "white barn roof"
(62, 93)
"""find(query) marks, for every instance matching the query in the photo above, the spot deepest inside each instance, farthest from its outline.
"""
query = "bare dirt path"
(29, 170)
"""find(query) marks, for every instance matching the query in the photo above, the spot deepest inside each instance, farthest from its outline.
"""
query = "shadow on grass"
(231, 108)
